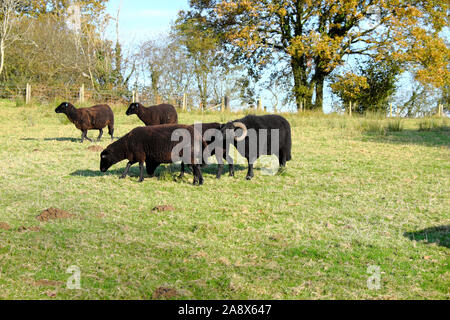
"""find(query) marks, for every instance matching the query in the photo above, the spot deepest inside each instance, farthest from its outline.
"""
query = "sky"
(142, 19)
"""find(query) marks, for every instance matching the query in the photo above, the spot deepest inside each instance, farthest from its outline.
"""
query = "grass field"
(358, 193)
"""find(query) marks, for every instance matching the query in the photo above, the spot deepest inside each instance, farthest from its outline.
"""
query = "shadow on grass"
(437, 138)
(63, 139)
(134, 171)
(439, 235)
(53, 139)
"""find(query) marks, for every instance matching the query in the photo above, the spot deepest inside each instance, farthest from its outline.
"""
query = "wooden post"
(350, 109)
(184, 102)
(390, 113)
(81, 98)
(222, 106)
(28, 94)
(227, 103)
(301, 106)
(259, 104)
(134, 96)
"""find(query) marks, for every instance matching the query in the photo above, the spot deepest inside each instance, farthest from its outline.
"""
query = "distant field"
(357, 196)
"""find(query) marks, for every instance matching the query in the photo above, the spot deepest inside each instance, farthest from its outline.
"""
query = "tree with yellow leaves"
(315, 37)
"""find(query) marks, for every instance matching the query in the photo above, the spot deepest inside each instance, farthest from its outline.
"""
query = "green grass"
(354, 196)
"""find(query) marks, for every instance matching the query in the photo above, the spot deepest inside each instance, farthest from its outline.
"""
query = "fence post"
(227, 103)
(222, 106)
(28, 94)
(259, 104)
(184, 102)
(82, 93)
(390, 107)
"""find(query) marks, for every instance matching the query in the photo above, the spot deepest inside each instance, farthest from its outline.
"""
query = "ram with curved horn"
(261, 135)
(240, 125)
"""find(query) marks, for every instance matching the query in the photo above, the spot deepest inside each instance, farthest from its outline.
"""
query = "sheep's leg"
(282, 159)
(111, 132)
(250, 173)
(100, 136)
(183, 170)
(141, 176)
(127, 169)
(220, 169)
(230, 164)
(84, 136)
(198, 178)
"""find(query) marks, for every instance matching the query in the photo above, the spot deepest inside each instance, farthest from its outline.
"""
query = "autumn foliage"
(315, 38)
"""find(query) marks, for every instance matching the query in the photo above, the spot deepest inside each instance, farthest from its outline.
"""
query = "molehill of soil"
(25, 229)
(95, 149)
(48, 283)
(164, 208)
(54, 214)
(164, 293)
(4, 226)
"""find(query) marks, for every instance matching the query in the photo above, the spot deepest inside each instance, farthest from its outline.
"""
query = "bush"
(372, 126)
(433, 124)
(394, 125)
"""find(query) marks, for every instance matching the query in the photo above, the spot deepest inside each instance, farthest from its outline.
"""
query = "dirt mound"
(163, 208)
(95, 149)
(54, 214)
(4, 226)
(48, 283)
(164, 293)
(25, 229)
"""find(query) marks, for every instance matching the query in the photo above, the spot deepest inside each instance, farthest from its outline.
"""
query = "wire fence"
(43, 94)
(79, 94)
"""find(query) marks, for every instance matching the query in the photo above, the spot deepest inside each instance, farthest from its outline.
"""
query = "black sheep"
(94, 118)
(262, 128)
(155, 115)
(215, 126)
(154, 146)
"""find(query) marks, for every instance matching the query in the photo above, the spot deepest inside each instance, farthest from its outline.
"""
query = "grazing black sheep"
(93, 118)
(155, 115)
(153, 145)
(256, 128)
(214, 126)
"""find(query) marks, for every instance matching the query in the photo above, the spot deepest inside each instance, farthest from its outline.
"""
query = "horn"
(244, 134)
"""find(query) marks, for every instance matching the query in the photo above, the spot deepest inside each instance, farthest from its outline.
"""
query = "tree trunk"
(319, 94)
(300, 83)
(2, 55)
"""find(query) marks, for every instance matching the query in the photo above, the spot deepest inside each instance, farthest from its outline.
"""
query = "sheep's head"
(239, 130)
(107, 160)
(63, 107)
(133, 108)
